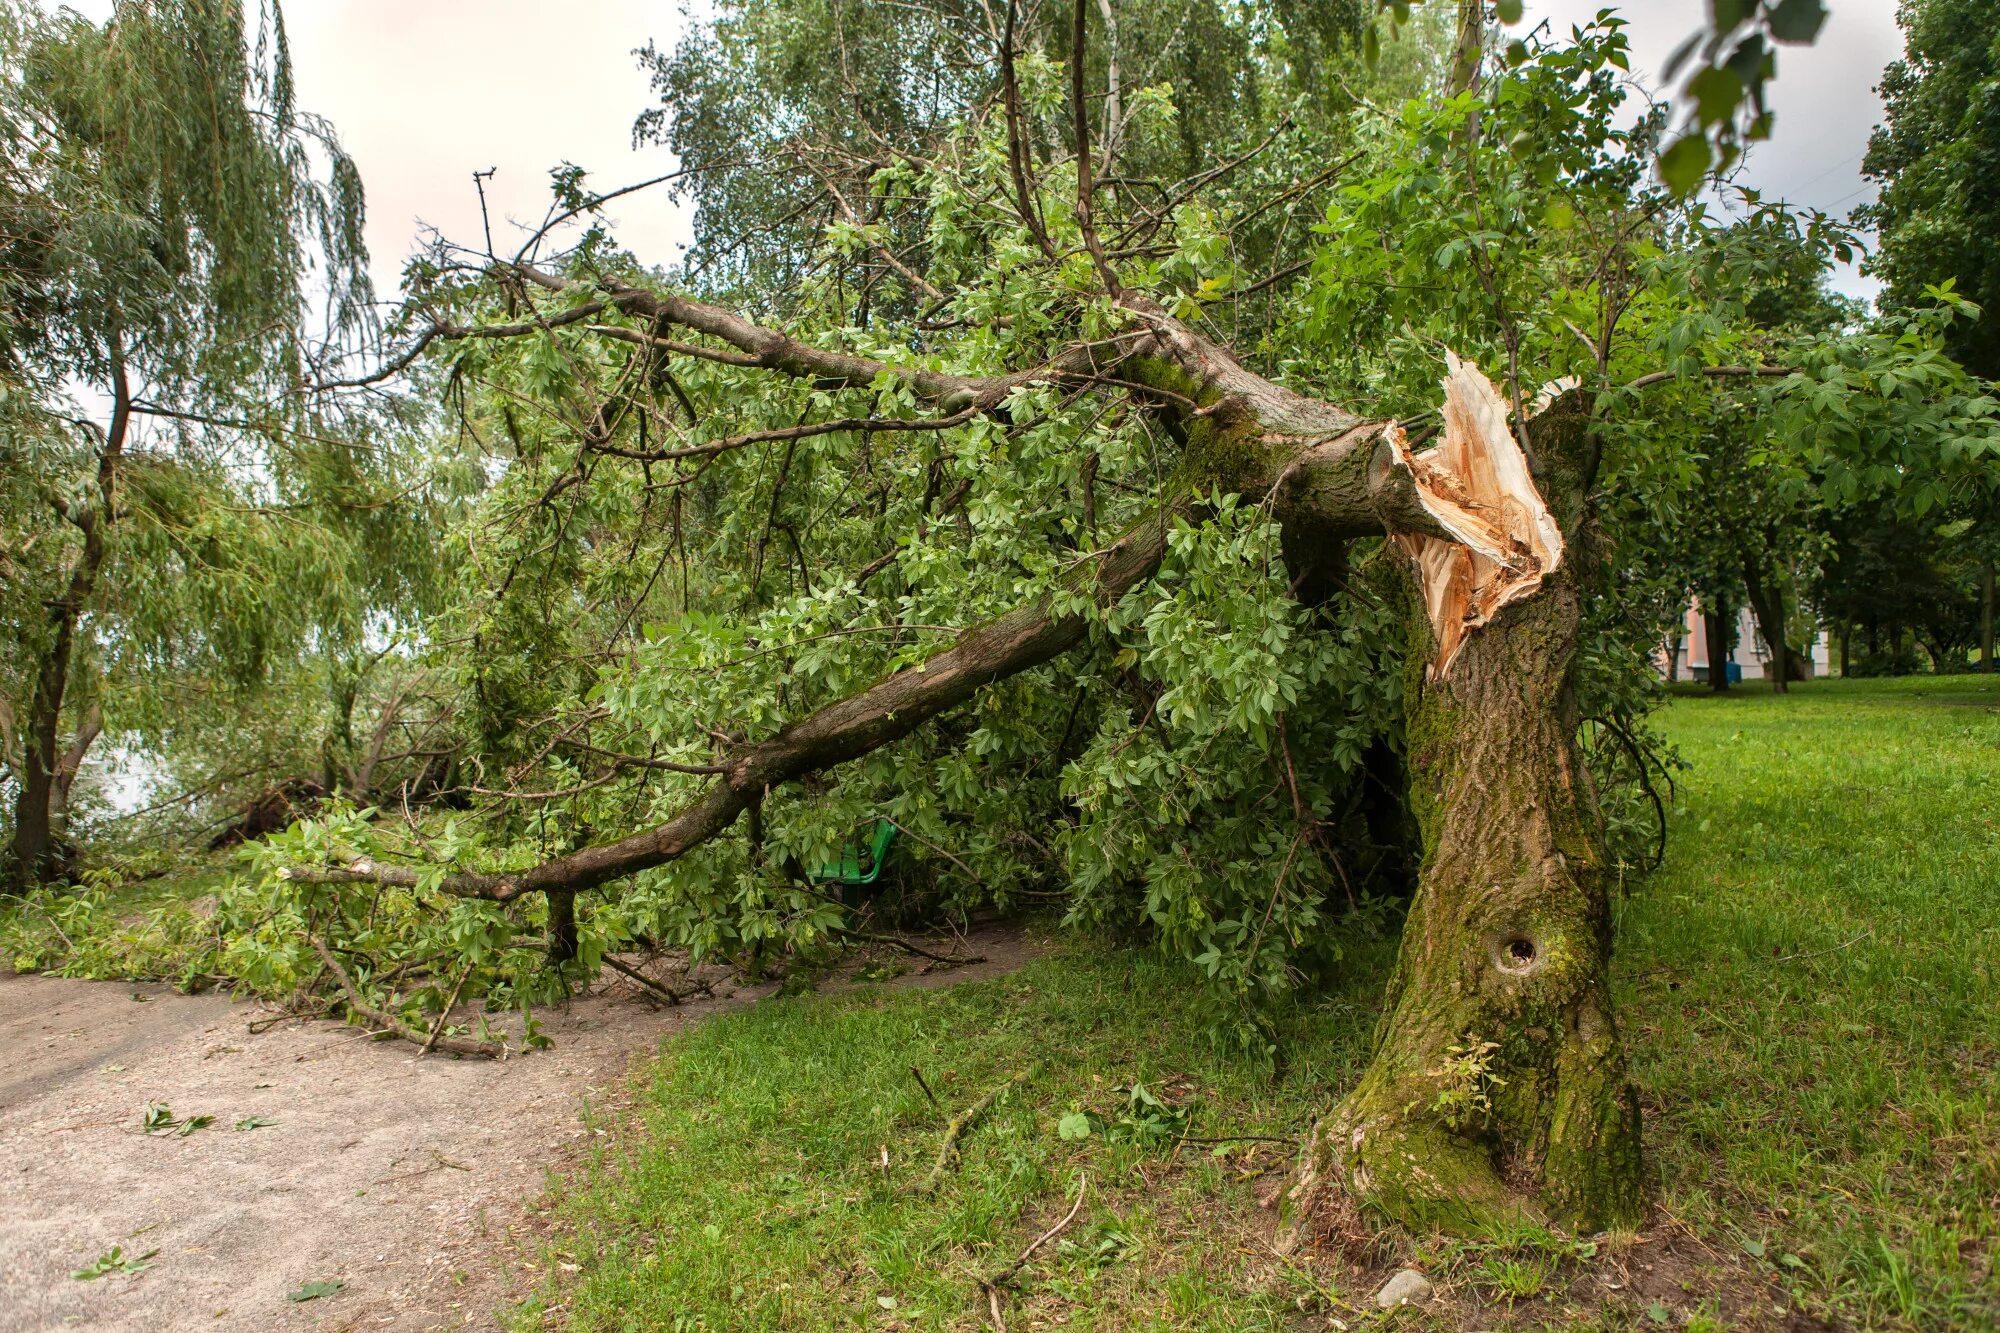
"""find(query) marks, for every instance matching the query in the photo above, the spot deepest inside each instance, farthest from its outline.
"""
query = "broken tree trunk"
(1497, 1093)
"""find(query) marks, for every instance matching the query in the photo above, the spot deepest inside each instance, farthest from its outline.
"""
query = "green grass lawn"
(1809, 990)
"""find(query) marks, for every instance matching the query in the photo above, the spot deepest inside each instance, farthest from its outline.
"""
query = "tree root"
(491, 1050)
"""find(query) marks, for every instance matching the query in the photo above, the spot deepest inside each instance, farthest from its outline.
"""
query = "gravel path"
(395, 1177)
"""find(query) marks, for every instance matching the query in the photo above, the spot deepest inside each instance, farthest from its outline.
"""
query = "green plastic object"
(848, 870)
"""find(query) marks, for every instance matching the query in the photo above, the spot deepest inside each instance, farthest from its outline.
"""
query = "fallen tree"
(1510, 914)
(1007, 369)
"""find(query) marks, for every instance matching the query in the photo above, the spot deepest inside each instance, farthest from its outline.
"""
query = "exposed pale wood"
(1477, 485)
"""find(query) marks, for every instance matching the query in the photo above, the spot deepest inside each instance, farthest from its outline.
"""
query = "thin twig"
(962, 1122)
(391, 1023)
(1819, 953)
(444, 1015)
(651, 985)
(1007, 1274)
(901, 943)
(1241, 1138)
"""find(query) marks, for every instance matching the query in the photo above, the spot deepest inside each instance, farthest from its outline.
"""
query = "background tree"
(1938, 159)
(1893, 586)
(168, 512)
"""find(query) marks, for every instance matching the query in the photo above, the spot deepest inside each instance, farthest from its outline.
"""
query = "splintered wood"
(1475, 483)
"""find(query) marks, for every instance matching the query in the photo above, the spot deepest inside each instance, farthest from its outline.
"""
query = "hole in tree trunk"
(1516, 954)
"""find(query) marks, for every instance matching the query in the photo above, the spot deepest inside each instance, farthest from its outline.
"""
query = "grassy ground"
(777, 1177)
(1809, 989)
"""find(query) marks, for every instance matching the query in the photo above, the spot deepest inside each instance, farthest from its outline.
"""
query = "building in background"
(1688, 658)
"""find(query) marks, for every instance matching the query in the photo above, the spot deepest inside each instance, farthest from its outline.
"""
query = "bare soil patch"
(396, 1177)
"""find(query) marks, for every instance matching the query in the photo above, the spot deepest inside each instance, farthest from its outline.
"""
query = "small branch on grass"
(918, 1075)
(1333, 1301)
(1821, 953)
(1241, 1138)
(1004, 1276)
(962, 1122)
(389, 1022)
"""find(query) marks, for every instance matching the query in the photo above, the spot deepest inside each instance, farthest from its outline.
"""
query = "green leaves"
(1716, 93)
(114, 1260)
(1796, 21)
(1079, 1125)
(159, 1119)
(1684, 163)
(1144, 1119)
(313, 1291)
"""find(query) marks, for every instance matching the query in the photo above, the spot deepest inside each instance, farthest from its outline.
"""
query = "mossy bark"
(1497, 1094)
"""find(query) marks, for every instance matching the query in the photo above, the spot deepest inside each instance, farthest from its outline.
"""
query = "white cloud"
(425, 92)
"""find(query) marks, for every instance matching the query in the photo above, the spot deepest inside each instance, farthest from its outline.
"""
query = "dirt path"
(392, 1176)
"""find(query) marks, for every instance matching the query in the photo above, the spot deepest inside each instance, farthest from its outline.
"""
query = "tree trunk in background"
(1497, 1093)
(1767, 604)
(35, 853)
(1846, 633)
(34, 834)
(1986, 621)
(563, 943)
(67, 769)
(1468, 50)
(1714, 623)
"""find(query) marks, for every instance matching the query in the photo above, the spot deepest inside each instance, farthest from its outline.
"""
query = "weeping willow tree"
(167, 216)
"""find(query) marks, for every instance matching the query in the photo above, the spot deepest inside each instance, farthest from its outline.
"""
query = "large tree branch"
(1327, 474)
(847, 729)
(1715, 372)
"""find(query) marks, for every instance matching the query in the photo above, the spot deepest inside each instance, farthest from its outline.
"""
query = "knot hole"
(1517, 954)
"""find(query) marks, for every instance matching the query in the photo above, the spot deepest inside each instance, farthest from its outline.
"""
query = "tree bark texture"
(1986, 618)
(1497, 1092)
(1767, 603)
(1715, 630)
(563, 943)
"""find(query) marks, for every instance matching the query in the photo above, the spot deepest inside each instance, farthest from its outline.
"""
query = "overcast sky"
(425, 92)
(1824, 100)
